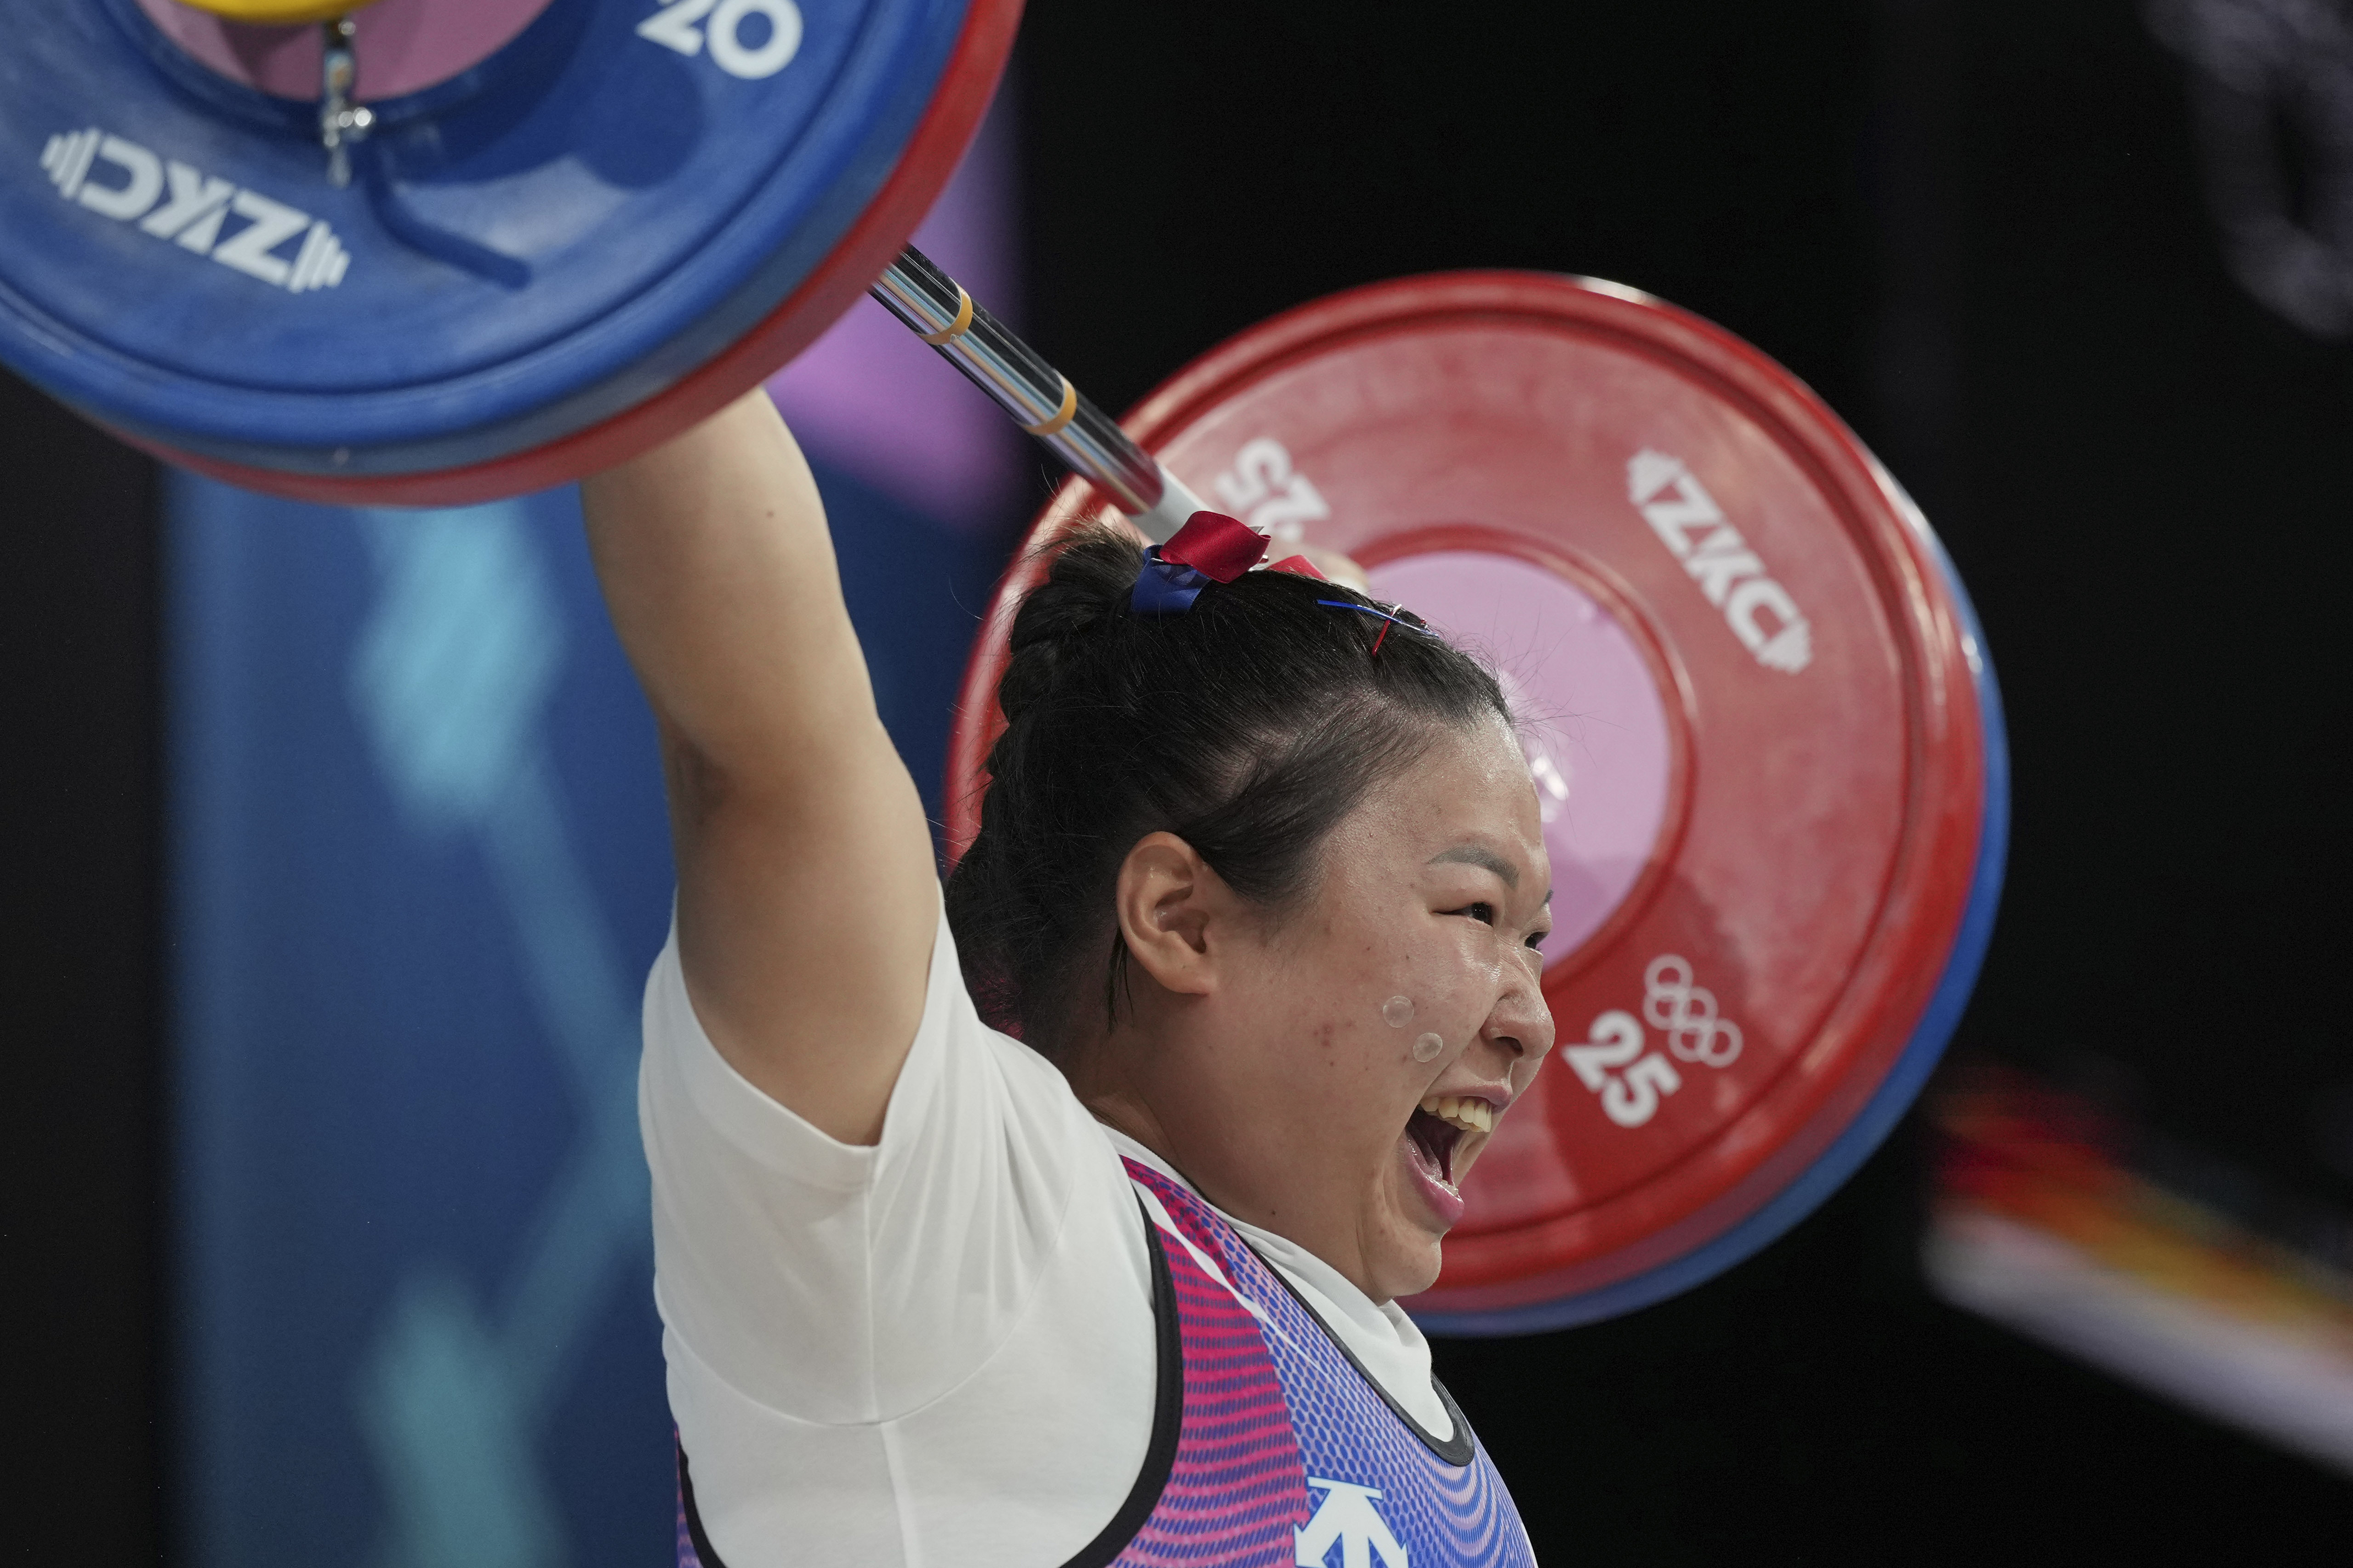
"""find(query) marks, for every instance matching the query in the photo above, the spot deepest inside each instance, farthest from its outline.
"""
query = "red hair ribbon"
(1218, 547)
(1211, 548)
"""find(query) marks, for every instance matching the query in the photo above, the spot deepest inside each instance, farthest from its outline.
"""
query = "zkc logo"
(124, 181)
(1348, 1520)
(1729, 573)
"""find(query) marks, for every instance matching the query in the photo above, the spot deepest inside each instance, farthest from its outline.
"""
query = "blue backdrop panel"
(420, 868)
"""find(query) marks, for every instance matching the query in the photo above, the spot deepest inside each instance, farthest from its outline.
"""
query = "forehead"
(1469, 789)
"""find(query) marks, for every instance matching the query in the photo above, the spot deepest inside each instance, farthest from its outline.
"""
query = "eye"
(1536, 939)
(1485, 913)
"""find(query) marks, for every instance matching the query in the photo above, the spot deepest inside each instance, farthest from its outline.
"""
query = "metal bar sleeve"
(1041, 399)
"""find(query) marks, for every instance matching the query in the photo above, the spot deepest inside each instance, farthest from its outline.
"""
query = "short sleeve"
(839, 1284)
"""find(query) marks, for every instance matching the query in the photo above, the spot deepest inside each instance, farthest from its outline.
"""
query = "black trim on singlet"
(1455, 1450)
(1168, 1416)
(1159, 1456)
(693, 1520)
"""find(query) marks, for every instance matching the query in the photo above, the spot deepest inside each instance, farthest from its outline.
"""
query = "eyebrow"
(1481, 857)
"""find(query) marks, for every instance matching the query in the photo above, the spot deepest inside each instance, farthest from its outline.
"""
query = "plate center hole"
(403, 46)
(1593, 722)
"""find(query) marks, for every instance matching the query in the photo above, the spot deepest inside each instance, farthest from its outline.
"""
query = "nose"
(1521, 1021)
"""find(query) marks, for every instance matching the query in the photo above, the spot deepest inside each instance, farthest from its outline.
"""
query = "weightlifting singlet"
(1271, 1446)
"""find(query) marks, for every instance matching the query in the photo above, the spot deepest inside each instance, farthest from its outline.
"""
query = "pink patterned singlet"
(1270, 1446)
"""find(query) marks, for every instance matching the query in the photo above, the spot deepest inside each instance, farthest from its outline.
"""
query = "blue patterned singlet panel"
(1372, 1489)
(1282, 1452)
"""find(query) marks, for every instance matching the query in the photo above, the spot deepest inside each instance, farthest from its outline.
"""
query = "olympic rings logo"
(1612, 1063)
(1687, 1013)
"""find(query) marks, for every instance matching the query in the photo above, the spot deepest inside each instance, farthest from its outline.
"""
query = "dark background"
(1980, 232)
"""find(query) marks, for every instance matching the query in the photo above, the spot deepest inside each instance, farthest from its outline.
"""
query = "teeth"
(1469, 1113)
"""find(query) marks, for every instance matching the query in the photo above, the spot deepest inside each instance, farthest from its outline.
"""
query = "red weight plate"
(1753, 724)
(930, 156)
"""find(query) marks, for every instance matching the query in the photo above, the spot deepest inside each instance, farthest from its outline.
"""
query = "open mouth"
(1439, 1124)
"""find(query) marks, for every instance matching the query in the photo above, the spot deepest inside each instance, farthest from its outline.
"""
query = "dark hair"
(1249, 727)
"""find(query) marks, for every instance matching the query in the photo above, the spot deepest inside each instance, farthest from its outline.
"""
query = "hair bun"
(1084, 594)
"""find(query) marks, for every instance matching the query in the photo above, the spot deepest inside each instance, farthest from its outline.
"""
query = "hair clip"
(1400, 619)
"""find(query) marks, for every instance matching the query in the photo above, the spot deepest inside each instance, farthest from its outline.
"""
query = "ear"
(1168, 897)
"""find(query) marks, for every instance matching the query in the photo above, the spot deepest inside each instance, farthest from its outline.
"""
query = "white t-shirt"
(937, 1350)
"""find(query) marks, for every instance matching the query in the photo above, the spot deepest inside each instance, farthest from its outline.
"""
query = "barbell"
(437, 251)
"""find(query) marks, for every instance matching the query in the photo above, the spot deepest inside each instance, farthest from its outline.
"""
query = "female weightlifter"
(1259, 887)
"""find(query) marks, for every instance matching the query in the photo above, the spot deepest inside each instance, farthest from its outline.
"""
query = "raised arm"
(808, 897)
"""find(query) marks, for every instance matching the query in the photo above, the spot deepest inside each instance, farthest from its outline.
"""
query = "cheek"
(1379, 987)
(1435, 993)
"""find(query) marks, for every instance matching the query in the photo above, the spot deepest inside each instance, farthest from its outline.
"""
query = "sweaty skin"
(1257, 1060)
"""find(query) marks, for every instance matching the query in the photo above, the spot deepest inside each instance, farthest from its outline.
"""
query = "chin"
(1412, 1271)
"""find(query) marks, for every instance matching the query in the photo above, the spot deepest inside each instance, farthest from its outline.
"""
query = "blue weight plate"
(557, 234)
(1896, 1091)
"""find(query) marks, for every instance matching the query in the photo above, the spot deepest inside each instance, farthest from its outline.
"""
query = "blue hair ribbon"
(1166, 587)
